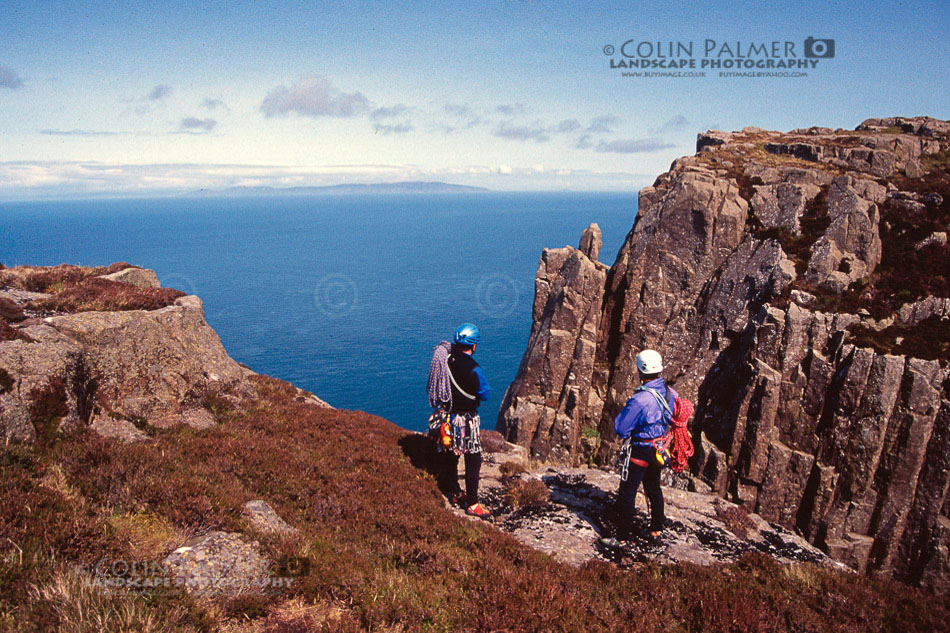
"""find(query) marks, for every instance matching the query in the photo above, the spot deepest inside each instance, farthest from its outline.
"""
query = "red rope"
(682, 448)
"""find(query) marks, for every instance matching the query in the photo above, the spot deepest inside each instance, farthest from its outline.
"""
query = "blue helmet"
(467, 334)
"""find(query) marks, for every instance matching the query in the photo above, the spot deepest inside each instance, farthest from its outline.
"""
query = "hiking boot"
(457, 499)
(477, 511)
(612, 543)
(651, 537)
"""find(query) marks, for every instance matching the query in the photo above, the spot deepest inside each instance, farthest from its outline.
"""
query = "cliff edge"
(797, 286)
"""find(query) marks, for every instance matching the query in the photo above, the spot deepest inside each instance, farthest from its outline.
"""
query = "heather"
(385, 553)
(78, 289)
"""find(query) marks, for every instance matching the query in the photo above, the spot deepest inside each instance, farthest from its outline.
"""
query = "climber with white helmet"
(644, 425)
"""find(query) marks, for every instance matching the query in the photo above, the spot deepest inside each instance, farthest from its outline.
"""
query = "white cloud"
(537, 168)
(632, 146)
(9, 78)
(674, 124)
(398, 128)
(158, 93)
(604, 124)
(77, 132)
(512, 109)
(314, 96)
(567, 125)
(215, 104)
(195, 125)
(533, 132)
(390, 112)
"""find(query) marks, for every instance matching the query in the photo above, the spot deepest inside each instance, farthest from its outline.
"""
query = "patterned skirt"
(458, 432)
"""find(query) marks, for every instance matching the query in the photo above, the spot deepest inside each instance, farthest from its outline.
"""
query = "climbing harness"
(674, 447)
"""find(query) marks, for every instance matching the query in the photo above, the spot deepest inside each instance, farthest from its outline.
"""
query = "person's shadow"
(421, 451)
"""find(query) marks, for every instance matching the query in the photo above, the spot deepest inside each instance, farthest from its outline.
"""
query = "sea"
(343, 295)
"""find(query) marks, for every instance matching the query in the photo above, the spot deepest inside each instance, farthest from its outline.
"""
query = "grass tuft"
(527, 493)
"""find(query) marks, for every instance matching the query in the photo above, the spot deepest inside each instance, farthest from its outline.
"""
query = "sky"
(136, 98)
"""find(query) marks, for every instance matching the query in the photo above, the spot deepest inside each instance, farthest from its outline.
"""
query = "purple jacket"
(642, 417)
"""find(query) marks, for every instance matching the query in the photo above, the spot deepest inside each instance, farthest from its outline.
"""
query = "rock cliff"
(121, 370)
(796, 285)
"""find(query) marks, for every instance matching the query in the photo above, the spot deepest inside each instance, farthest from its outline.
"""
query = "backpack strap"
(660, 399)
(456, 385)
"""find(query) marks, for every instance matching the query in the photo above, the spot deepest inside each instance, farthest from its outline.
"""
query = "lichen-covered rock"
(701, 528)
(158, 366)
(219, 563)
(152, 364)
(117, 428)
(140, 277)
(264, 518)
(49, 384)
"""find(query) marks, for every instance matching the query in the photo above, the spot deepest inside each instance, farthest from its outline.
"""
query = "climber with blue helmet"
(468, 388)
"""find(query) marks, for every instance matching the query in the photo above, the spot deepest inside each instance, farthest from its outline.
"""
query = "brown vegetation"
(493, 442)
(384, 552)
(929, 339)
(79, 289)
(735, 518)
(53, 278)
(10, 311)
(10, 333)
(95, 294)
(527, 493)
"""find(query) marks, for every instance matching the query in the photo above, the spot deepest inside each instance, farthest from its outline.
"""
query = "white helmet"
(649, 362)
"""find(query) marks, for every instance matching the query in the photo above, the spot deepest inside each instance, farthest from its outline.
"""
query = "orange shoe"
(477, 511)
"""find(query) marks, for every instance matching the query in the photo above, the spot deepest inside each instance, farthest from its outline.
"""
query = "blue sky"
(125, 98)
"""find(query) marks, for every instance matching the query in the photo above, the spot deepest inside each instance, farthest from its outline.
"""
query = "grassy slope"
(386, 555)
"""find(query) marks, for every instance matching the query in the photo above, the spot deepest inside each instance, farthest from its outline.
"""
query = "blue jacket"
(642, 417)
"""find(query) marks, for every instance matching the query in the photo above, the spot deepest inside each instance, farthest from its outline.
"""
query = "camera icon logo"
(819, 48)
(293, 567)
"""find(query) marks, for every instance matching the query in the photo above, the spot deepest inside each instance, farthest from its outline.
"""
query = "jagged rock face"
(555, 373)
(727, 271)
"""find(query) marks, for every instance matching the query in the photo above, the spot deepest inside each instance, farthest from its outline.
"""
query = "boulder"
(219, 563)
(153, 364)
(117, 428)
(263, 518)
(140, 277)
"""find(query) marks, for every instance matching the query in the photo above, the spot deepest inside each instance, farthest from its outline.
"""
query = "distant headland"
(414, 187)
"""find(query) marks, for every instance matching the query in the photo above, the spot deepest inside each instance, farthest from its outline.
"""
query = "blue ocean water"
(344, 296)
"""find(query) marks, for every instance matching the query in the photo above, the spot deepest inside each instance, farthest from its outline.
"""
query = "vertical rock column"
(542, 407)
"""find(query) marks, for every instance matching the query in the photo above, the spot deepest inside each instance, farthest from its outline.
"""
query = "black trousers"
(449, 480)
(626, 497)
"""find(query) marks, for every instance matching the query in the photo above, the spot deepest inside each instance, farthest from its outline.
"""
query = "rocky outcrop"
(155, 367)
(139, 277)
(763, 269)
(701, 529)
(263, 518)
(219, 563)
(542, 407)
